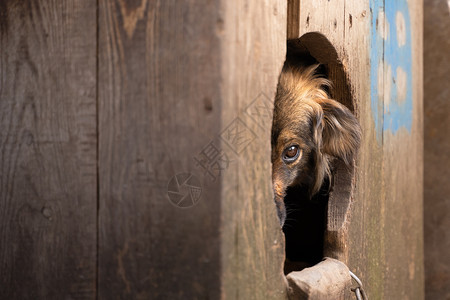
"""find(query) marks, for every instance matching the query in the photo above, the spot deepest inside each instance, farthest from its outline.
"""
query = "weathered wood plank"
(48, 149)
(293, 19)
(366, 253)
(253, 51)
(403, 149)
(437, 148)
(160, 107)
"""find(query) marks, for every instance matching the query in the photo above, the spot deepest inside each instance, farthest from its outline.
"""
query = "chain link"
(358, 290)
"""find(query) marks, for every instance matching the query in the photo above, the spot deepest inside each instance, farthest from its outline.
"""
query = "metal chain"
(358, 290)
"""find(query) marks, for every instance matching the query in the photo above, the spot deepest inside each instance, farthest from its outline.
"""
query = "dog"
(309, 131)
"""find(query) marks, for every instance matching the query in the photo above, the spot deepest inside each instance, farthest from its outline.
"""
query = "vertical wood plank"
(324, 17)
(254, 49)
(403, 149)
(437, 148)
(293, 19)
(48, 149)
(366, 240)
(160, 108)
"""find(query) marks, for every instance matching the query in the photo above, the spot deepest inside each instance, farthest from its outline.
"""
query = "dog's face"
(308, 131)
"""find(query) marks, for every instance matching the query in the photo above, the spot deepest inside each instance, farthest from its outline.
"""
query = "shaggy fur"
(322, 128)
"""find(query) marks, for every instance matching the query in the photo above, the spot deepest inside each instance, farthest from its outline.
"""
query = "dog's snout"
(279, 191)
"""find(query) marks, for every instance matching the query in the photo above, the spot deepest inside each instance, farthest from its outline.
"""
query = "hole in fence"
(313, 224)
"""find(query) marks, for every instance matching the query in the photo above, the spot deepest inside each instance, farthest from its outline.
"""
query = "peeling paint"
(391, 63)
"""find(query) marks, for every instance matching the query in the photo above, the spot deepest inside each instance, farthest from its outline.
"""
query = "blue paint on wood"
(387, 53)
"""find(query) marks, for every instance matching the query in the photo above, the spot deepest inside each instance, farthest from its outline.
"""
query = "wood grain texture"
(293, 19)
(365, 236)
(160, 105)
(403, 171)
(47, 149)
(437, 149)
(322, 32)
(253, 52)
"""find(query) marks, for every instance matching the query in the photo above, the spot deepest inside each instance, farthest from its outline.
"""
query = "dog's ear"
(341, 133)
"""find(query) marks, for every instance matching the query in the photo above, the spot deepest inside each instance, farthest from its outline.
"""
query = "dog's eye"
(291, 153)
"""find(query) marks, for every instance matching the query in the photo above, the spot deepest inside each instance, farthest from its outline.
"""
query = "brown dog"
(309, 130)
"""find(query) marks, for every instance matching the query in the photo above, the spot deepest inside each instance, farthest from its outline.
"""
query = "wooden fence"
(111, 111)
